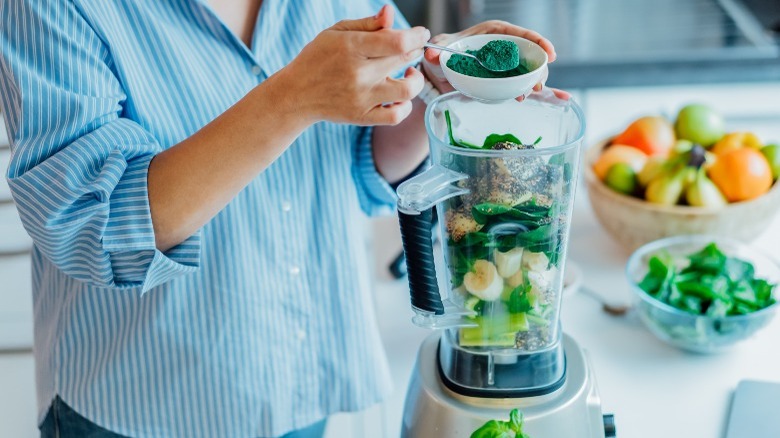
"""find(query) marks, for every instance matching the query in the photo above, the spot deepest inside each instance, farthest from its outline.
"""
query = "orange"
(741, 174)
(618, 153)
(652, 135)
(736, 140)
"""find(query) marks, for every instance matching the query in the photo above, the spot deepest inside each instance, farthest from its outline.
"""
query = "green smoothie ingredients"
(708, 283)
(492, 141)
(501, 57)
(502, 429)
(506, 238)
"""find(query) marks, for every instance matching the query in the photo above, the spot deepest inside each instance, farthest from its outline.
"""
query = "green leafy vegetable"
(454, 142)
(518, 299)
(503, 429)
(490, 141)
(538, 230)
(707, 282)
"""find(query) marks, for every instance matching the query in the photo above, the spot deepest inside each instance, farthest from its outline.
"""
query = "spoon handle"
(435, 46)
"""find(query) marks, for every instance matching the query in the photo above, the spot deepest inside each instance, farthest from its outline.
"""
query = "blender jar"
(503, 181)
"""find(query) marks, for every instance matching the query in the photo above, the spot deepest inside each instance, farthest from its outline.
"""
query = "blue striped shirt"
(260, 323)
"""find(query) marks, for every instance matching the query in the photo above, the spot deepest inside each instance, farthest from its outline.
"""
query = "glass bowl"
(688, 331)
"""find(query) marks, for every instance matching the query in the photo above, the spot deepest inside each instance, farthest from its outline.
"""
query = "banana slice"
(535, 261)
(484, 282)
(508, 263)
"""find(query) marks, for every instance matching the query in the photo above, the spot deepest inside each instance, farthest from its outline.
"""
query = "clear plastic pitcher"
(503, 181)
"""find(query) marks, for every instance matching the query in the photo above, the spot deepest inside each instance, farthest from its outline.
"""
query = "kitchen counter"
(652, 388)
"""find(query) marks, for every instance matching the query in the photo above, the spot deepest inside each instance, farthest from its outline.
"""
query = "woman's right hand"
(343, 75)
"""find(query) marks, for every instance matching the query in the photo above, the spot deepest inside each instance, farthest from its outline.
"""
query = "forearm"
(400, 149)
(192, 181)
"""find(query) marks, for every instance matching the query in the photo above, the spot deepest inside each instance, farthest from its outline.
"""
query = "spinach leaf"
(518, 299)
(502, 429)
(709, 259)
(492, 139)
(737, 269)
(454, 142)
(481, 211)
(711, 283)
(489, 142)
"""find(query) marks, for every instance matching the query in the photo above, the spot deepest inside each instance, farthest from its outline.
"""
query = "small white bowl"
(497, 89)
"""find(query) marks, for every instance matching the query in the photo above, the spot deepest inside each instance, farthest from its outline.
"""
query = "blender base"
(433, 410)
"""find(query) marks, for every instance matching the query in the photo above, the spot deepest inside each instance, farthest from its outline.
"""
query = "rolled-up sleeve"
(78, 169)
(374, 192)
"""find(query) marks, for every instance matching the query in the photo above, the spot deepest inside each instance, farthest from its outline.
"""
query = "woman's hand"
(433, 69)
(343, 74)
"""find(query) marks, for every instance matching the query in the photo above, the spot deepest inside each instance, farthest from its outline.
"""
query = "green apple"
(621, 178)
(700, 124)
(772, 154)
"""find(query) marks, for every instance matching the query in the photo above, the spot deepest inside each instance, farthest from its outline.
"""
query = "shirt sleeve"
(376, 195)
(78, 169)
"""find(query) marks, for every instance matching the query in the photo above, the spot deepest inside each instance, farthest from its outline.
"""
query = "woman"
(190, 172)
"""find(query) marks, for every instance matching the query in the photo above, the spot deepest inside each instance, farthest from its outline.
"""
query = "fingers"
(393, 63)
(432, 55)
(496, 27)
(390, 42)
(401, 90)
(382, 20)
(502, 27)
(389, 114)
(435, 74)
(561, 94)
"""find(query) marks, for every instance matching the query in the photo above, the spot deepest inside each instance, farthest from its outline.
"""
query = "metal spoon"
(468, 55)
(610, 308)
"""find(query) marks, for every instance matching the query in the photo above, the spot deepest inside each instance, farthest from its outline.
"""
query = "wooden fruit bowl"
(634, 222)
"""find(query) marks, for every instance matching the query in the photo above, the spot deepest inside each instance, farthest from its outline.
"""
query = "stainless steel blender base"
(431, 410)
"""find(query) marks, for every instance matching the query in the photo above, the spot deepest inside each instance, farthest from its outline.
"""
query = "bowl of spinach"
(703, 293)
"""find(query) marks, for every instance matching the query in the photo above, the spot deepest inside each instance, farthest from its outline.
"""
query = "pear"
(703, 192)
(667, 189)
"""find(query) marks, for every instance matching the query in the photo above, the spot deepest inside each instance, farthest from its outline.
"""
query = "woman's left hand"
(434, 73)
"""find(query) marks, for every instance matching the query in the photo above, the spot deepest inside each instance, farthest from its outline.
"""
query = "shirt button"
(295, 270)
(301, 335)
(256, 70)
(286, 206)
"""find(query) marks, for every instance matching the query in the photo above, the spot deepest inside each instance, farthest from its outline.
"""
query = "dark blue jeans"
(63, 422)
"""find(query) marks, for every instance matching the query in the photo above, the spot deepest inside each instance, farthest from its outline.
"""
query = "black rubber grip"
(418, 248)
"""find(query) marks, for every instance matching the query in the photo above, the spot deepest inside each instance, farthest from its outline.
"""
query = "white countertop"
(653, 389)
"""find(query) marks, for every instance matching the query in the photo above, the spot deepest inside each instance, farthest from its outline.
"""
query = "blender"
(502, 180)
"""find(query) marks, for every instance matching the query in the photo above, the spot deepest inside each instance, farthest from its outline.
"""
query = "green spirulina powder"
(497, 54)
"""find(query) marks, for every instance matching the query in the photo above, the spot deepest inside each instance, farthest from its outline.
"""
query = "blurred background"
(621, 59)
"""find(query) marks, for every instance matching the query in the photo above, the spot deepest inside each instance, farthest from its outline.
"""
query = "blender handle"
(418, 248)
